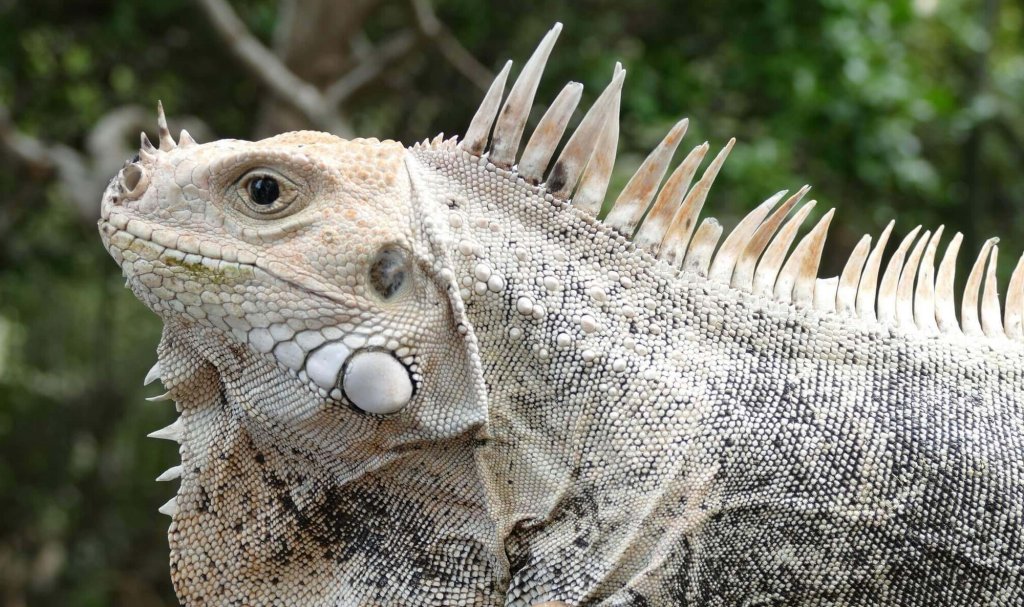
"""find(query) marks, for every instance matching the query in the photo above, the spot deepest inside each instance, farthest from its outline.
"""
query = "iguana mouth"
(315, 356)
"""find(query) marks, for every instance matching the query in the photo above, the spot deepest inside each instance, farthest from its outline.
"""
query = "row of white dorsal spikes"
(755, 256)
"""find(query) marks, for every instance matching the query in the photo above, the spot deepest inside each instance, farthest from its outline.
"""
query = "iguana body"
(555, 410)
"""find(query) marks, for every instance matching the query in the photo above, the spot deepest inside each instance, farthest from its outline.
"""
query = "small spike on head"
(146, 146)
(185, 139)
(166, 141)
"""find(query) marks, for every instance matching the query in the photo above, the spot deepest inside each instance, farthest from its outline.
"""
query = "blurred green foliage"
(890, 108)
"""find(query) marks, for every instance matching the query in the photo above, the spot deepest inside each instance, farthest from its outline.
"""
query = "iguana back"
(434, 377)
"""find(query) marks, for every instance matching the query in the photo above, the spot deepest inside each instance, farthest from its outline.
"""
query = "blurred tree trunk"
(314, 39)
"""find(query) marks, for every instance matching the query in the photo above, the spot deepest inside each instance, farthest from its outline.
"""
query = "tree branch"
(267, 67)
(25, 148)
(321, 108)
(449, 46)
(84, 176)
(371, 67)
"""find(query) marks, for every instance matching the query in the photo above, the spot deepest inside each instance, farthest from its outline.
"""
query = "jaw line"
(315, 290)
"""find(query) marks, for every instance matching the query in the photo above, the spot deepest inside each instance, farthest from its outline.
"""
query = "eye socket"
(389, 272)
(266, 194)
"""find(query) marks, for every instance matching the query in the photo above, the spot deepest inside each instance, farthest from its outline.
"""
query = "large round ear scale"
(376, 382)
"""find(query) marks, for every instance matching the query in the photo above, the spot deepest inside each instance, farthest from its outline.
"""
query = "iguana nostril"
(376, 382)
(132, 178)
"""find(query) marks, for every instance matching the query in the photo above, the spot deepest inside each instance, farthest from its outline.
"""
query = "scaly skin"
(285, 497)
(586, 423)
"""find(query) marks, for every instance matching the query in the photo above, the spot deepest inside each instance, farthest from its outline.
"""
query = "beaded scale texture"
(432, 376)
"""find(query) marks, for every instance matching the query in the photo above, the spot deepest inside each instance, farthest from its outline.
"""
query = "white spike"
(905, 286)
(159, 398)
(153, 375)
(170, 508)
(636, 197)
(869, 279)
(991, 315)
(725, 261)
(846, 293)
(677, 238)
(166, 141)
(969, 307)
(746, 265)
(945, 307)
(512, 119)
(698, 256)
(548, 134)
(597, 174)
(924, 296)
(796, 280)
(184, 139)
(583, 144)
(146, 146)
(825, 294)
(891, 278)
(653, 229)
(172, 432)
(767, 271)
(172, 473)
(1015, 303)
(475, 141)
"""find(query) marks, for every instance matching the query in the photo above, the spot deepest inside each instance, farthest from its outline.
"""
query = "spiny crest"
(133, 177)
(758, 255)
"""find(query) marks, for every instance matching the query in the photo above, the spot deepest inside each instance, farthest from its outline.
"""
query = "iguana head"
(312, 343)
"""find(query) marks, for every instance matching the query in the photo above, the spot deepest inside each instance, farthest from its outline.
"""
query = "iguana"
(433, 376)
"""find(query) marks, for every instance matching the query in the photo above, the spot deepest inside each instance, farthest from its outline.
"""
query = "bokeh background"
(890, 108)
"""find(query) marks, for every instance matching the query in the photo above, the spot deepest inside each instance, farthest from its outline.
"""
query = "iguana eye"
(264, 190)
(265, 193)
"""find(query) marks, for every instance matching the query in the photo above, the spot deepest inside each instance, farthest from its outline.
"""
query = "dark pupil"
(263, 190)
